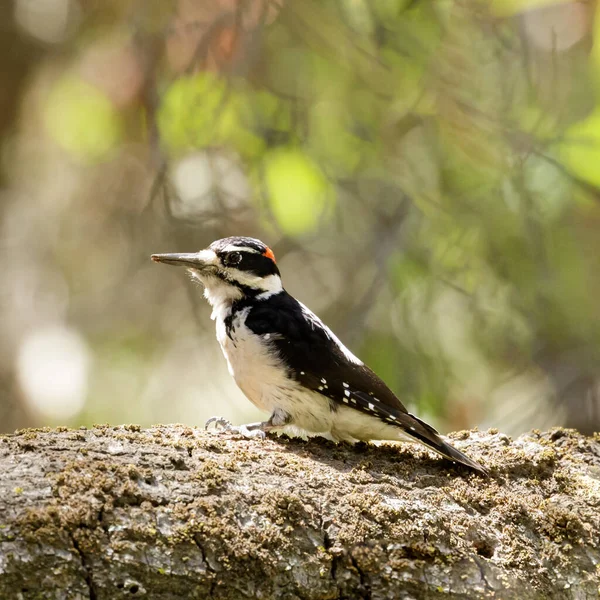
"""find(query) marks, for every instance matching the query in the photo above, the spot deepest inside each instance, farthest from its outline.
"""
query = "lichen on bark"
(174, 512)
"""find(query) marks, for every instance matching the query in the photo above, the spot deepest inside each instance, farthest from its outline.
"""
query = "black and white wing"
(320, 362)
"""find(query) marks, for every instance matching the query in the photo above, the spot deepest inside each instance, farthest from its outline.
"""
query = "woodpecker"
(288, 362)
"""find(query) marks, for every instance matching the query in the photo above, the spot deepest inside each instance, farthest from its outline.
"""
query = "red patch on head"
(269, 254)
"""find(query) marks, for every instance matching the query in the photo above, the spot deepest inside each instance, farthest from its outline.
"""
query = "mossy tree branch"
(174, 512)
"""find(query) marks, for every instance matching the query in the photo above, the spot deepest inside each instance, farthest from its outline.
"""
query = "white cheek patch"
(269, 285)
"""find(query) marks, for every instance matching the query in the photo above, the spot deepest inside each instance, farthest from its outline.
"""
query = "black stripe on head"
(240, 242)
(246, 254)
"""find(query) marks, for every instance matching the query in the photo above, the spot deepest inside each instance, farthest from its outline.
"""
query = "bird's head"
(230, 269)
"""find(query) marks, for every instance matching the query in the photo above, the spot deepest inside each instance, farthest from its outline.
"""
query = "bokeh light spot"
(52, 368)
(299, 193)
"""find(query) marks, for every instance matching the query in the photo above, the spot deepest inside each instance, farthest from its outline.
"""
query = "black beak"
(180, 260)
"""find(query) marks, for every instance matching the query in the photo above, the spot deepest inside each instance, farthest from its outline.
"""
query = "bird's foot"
(220, 424)
(243, 430)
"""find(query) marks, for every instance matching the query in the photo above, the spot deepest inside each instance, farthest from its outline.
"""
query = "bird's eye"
(234, 258)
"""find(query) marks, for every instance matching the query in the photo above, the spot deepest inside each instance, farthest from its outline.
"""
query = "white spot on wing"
(267, 336)
(371, 406)
(347, 393)
(323, 380)
(345, 384)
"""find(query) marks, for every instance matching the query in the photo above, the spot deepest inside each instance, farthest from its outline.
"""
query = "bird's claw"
(250, 433)
(221, 424)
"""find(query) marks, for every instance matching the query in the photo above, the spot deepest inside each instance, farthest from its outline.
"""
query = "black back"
(312, 354)
(314, 358)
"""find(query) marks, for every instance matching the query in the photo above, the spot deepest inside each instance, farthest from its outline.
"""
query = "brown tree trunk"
(173, 512)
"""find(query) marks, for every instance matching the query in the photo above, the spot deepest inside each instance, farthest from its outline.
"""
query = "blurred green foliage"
(82, 120)
(444, 154)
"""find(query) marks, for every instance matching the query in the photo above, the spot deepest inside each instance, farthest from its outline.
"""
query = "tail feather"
(453, 454)
(428, 436)
(413, 427)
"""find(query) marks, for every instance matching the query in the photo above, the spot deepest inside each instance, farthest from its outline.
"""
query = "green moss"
(248, 506)
(133, 428)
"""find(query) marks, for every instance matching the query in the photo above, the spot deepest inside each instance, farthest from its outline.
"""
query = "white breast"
(262, 376)
(252, 367)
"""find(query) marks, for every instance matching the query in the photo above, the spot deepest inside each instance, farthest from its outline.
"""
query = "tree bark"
(173, 512)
